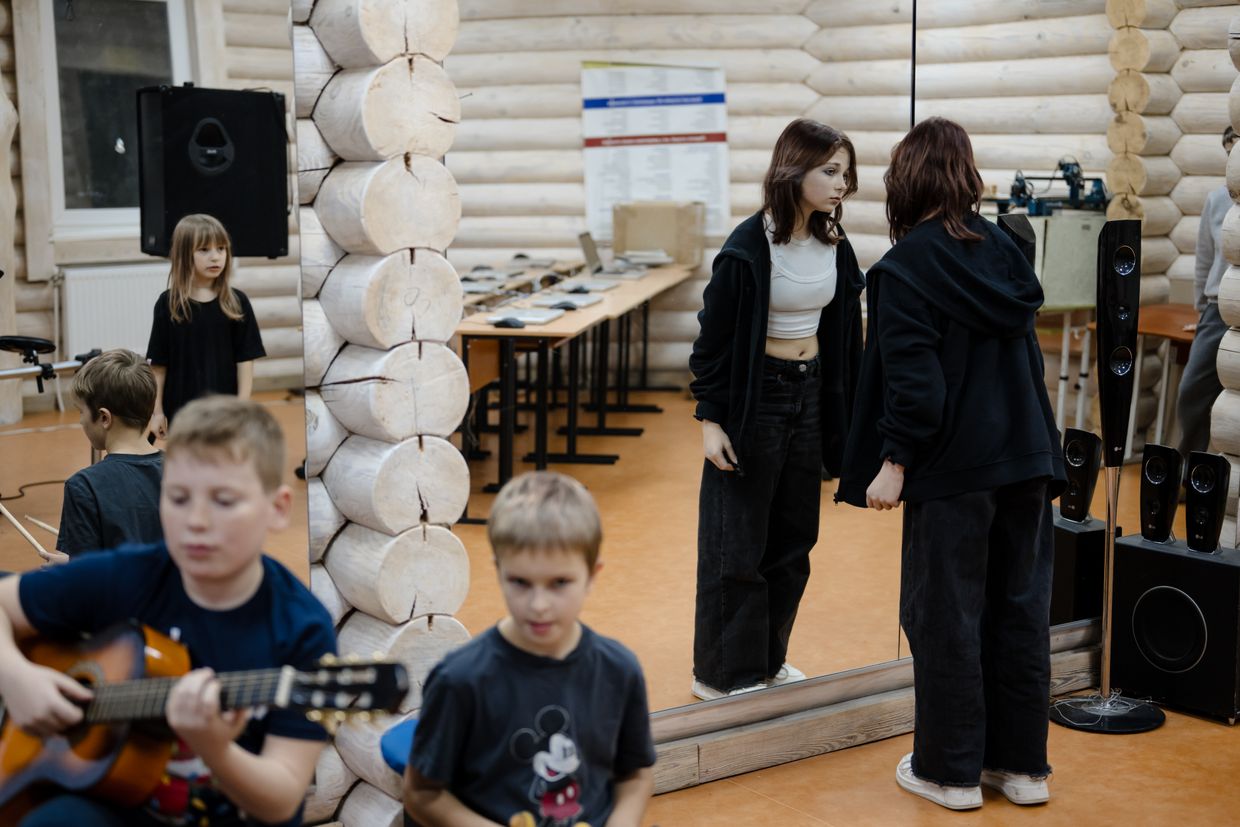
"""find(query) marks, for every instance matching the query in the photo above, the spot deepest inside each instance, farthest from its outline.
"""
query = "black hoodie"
(952, 382)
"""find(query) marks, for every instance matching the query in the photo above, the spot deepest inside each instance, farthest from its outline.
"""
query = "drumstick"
(49, 556)
(55, 532)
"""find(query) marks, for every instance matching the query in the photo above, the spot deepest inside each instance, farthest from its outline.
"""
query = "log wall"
(378, 208)
(14, 291)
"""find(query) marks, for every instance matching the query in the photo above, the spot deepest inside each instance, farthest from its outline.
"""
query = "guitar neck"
(146, 699)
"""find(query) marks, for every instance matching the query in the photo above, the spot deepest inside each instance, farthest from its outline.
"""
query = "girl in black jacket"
(774, 368)
(952, 416)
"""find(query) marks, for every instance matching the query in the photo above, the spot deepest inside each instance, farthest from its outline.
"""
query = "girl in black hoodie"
(952, 417)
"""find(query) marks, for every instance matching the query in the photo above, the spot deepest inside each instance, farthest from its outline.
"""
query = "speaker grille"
(1169, 629)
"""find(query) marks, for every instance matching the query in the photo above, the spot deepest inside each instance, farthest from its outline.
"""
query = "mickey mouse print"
(551, 752)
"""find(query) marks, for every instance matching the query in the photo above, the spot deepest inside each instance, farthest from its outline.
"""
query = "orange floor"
(644, 596)
(49, 447)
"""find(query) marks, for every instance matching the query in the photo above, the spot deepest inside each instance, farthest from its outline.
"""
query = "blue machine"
(1083, 193)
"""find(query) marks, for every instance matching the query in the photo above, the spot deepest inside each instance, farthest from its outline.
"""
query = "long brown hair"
(932, 175)
(803, 145)
(194, 232)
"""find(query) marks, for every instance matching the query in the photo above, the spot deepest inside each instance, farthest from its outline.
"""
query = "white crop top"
(803, 278)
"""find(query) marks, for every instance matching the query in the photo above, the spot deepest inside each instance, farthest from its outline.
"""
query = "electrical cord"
(21, 490)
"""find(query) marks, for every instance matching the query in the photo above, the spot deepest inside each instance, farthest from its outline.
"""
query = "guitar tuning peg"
(340, 716)
(315, 715)
(331, 725)
(329, 660)
(363, 716)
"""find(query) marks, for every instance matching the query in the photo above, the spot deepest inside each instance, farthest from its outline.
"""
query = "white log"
(1158, 214)
(319, 253)
(1150, 94)
(392, 488)
(1225, 422)
(383, 301)
(313, 69)
(301, 10)
(1082, 35)
(368, 806)
(1230, 236)
(314, 159)
(1137, 175)
(559, 100)
(283, 342)
(324, 433)
(371, 32)
(1200, 155)
(739, 65)
(1183, 269)
(422, 571)
(325, 590)
(1190, 194)
(465, 258)
(509, 134)
(1202, 112)
(1184, 234)
(1229, 302)
(332, 780)
(944, 13)
(273, 280)
(1203, 28)
(1154, 290)
(1147, 14)
(1233, 102)
(325, 519)
(491, 9)
(511, 231)
(1059, 114)
(10, 392)
(1233, 41)
(1204, 70)
(504, 198)
(358, 744)
(322, 342)
(419, 645)
(719, 31)
(379, 208)
(1132, 134)
(1157, 254)
(416, 388)
(1143, 50)
(1232, 176)
(376, 113)
(276, 311)
(1070, 75)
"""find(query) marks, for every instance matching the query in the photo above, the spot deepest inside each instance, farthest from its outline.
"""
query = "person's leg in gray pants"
(1199, 386)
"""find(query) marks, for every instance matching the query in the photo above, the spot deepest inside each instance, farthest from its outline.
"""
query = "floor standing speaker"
(1082, 454)
(1176, 631)
(1119, 295)
(215, 151)
(1160, 491)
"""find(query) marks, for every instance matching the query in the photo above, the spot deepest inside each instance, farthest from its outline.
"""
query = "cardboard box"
(676, 227)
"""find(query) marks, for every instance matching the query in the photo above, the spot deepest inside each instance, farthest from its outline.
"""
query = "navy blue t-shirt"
(507, 732)
(283, 623)
(111, 503)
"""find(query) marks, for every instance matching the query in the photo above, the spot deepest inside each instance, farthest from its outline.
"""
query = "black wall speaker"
(1205, 502)
(1082, 454)
(215, 151)
(1119, 295)
(1175, 632)
(1160, 491)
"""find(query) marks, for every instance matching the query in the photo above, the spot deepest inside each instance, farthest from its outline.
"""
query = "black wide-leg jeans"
(975, 604)
(756, 527)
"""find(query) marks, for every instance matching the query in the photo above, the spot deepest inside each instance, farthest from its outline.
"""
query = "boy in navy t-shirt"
(115, 501)
(538, 722)
(209, 587)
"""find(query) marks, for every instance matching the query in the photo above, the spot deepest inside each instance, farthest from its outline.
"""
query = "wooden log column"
(11, 390)
(376, 113)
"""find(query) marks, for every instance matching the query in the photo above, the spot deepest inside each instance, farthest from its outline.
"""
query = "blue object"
(396, 743)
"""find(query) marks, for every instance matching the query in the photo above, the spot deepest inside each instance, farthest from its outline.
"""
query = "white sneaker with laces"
(1017, 787)
(786, 674)
(710, 693)
(953, 798)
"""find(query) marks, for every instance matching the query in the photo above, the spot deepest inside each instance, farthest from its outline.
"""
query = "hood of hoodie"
(986, 285)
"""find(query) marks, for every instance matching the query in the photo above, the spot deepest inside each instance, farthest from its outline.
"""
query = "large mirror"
(75, 272)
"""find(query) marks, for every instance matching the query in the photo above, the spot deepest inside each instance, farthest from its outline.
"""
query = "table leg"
(600, 387)
(1167, 354)
(507, 410)
(1082, 381)
(1136, 396)
(570, 454)
(1065, 356)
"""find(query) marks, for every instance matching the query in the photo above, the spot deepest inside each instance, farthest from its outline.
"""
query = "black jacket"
(727, 355)
(952, 384)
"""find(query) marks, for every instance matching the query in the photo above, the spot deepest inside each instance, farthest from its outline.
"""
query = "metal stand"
(1108, 711)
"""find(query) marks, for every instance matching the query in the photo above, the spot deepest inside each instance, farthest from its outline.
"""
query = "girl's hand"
(717, 446)
(884, 492)
(194, 714)
(158, 425)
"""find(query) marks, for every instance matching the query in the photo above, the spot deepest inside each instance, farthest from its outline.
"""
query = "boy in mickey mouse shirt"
(538, 722)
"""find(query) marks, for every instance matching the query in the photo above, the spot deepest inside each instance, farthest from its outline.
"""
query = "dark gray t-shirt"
(509, 732)
(113, 502)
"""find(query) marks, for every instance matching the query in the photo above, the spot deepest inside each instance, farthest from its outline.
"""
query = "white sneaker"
(1017, 787)
(709, 693)
(953, 798)
(786, 674)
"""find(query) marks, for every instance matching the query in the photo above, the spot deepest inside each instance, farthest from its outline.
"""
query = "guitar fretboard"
(146, 699)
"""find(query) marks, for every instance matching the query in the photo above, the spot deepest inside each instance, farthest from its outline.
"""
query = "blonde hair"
(121, 381)
(238, 429)
(543, 510)
(195, 232)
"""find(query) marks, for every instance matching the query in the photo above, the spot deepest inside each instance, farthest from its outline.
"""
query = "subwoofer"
(1205, 501)
(1119, 294)
(1175, 636)
(1160, 491)
(1082, 454)
(216, 151)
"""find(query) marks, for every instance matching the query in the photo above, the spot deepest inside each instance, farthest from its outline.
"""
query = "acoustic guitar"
(119, 751)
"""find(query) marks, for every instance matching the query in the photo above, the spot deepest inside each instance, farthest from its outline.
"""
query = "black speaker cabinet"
(1082, 454)
(215, 151)
(1160, 491)
(1119, 294)
(1205, 501)
(1076, 586)
(1175, 630)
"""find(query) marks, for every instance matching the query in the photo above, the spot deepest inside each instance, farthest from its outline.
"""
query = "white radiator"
(110, 306)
